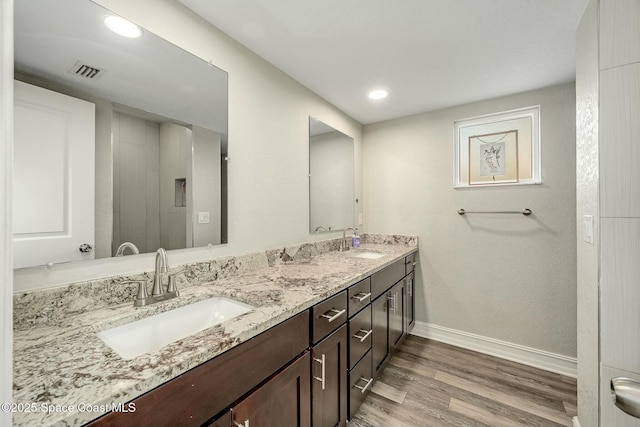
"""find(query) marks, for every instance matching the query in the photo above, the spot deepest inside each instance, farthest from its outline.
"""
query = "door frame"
(6, 150)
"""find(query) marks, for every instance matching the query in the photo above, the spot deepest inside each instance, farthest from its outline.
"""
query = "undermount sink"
(368, 255)
(152, 333)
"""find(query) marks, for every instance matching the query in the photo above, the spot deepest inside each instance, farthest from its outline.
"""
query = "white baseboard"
(517, 353)
(576, 422)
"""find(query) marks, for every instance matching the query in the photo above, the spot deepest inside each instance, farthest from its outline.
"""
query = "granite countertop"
(64, 375)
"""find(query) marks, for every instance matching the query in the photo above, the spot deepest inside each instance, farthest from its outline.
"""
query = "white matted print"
(498, 149)
(493, 158)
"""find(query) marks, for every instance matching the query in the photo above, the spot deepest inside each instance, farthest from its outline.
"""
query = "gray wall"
(510, 278)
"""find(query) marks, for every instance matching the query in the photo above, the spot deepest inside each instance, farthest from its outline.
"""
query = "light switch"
(360, 218)
(203, 217)
(587, 233)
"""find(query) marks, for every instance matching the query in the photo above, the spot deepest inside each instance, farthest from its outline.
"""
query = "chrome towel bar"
(525, 212)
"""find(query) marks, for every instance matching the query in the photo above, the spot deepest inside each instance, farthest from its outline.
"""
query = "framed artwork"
(498, 149)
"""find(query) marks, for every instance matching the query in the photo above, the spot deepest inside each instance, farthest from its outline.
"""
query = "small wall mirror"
(158, 145)
(331, 178)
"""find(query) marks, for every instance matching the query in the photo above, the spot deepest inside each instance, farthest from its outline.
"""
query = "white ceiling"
(429, 54)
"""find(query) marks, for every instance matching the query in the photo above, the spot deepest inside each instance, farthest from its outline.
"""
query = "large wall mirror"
(331, 178)
(154, 141)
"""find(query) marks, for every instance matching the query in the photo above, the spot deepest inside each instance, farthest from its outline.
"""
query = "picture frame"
(512, 143)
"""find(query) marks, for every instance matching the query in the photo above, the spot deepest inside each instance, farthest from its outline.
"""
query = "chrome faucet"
(158, 293)
(344, 245)
(127, 245)
(162, 267)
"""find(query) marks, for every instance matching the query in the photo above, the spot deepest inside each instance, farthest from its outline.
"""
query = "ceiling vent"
(81, 69)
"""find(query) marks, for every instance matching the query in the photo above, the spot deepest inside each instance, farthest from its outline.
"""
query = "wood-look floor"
(428, 383)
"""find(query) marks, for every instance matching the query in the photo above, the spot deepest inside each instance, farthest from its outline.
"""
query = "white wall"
(587, 176)
(268, 147)
(6, 136)
(510, 278)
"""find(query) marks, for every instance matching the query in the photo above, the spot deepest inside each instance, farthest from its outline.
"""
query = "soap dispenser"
(355, 239)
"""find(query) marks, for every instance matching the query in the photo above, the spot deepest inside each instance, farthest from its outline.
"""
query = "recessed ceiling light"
(122, 27)
(378, 94)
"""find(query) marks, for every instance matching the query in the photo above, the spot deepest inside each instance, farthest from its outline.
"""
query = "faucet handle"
(142, 294)
(171, 287)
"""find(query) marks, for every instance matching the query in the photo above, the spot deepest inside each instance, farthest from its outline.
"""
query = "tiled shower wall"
(136, 176)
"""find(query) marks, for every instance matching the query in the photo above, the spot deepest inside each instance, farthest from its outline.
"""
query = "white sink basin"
(152, 333)
(368, 255)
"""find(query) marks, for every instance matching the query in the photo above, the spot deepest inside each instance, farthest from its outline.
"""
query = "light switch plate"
(587, 233)
(360, 218)
(203, 217)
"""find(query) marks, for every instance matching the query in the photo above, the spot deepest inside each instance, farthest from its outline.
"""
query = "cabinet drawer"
(387, 277)
(359, 336)
(410, 263)
(329, 315)
(360, 382)
(359, 296)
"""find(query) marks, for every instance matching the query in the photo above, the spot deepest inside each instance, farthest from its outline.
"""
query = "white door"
(53, 186)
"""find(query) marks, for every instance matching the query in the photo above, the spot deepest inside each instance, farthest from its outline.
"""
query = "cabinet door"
(410, 305)
(396, 314)
(380, 335)
(329, 390)
(223, 420)
(281, 401)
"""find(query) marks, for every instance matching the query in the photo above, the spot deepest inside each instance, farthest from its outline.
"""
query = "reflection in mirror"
(331, 178)
(158, 143)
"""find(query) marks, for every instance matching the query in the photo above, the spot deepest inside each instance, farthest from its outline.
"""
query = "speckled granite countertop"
(62, 362)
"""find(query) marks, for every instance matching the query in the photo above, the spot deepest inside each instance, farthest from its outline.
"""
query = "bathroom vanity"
(323, 326)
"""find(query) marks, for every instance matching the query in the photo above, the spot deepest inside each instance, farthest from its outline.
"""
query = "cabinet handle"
(337, 314)
(393, 298)
(321, 362)
(410, 290)
(361, 388)
(366, 334)
(244, 424)
(625, 393)
(361, 296)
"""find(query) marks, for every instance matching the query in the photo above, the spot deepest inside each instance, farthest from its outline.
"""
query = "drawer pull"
(361, 296)
(322, 378)
(366, 334)
(361, 388)
(337, 314)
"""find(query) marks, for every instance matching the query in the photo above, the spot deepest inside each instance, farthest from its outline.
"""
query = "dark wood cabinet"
(395, 309)
(360, 381)
(282, 401)
(410, 301)
(223, 420)
(329, 384)
(388, 324)
(380, 334)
